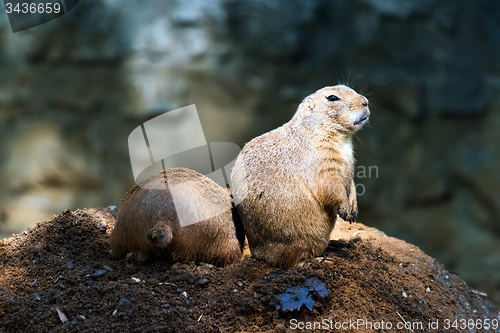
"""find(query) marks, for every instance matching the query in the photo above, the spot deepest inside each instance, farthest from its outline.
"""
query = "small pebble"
(140, 276)
(99, 273)
(202, 282)
(69, 265)
(134, 280)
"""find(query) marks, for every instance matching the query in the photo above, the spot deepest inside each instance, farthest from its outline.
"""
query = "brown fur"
(147, 221)
(293, 181)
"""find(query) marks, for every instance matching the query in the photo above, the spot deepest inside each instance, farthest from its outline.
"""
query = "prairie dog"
(148, 220)
(291, 182)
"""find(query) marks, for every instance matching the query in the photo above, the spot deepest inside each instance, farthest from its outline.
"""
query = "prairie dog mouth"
(362, 120)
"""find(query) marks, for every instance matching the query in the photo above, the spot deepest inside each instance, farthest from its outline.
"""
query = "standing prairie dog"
(150, 216)
(291, 183)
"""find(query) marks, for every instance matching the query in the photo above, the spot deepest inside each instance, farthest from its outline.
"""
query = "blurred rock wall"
(72, 90)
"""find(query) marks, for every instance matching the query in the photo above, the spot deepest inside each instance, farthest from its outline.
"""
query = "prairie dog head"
(338, 106)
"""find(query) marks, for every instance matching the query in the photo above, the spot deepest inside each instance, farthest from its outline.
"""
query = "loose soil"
(57, 276)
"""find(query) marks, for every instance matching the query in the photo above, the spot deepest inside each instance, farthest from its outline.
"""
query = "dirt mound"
(60, 271)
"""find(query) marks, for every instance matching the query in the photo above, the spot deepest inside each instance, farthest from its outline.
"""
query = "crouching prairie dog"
(291, 183)
(151, 216)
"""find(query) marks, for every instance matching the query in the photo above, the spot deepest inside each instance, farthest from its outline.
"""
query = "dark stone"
(124, 305)
(140, 276)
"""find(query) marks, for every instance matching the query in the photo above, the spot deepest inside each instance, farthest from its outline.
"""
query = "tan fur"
(147, 221)
(293, 181)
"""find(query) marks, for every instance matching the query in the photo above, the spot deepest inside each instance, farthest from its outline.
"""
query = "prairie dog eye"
(332, 98)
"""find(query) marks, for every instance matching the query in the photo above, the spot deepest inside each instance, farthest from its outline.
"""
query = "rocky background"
(72, 90)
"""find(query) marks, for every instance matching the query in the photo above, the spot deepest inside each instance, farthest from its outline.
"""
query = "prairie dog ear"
(160, 234)
(309, 104)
